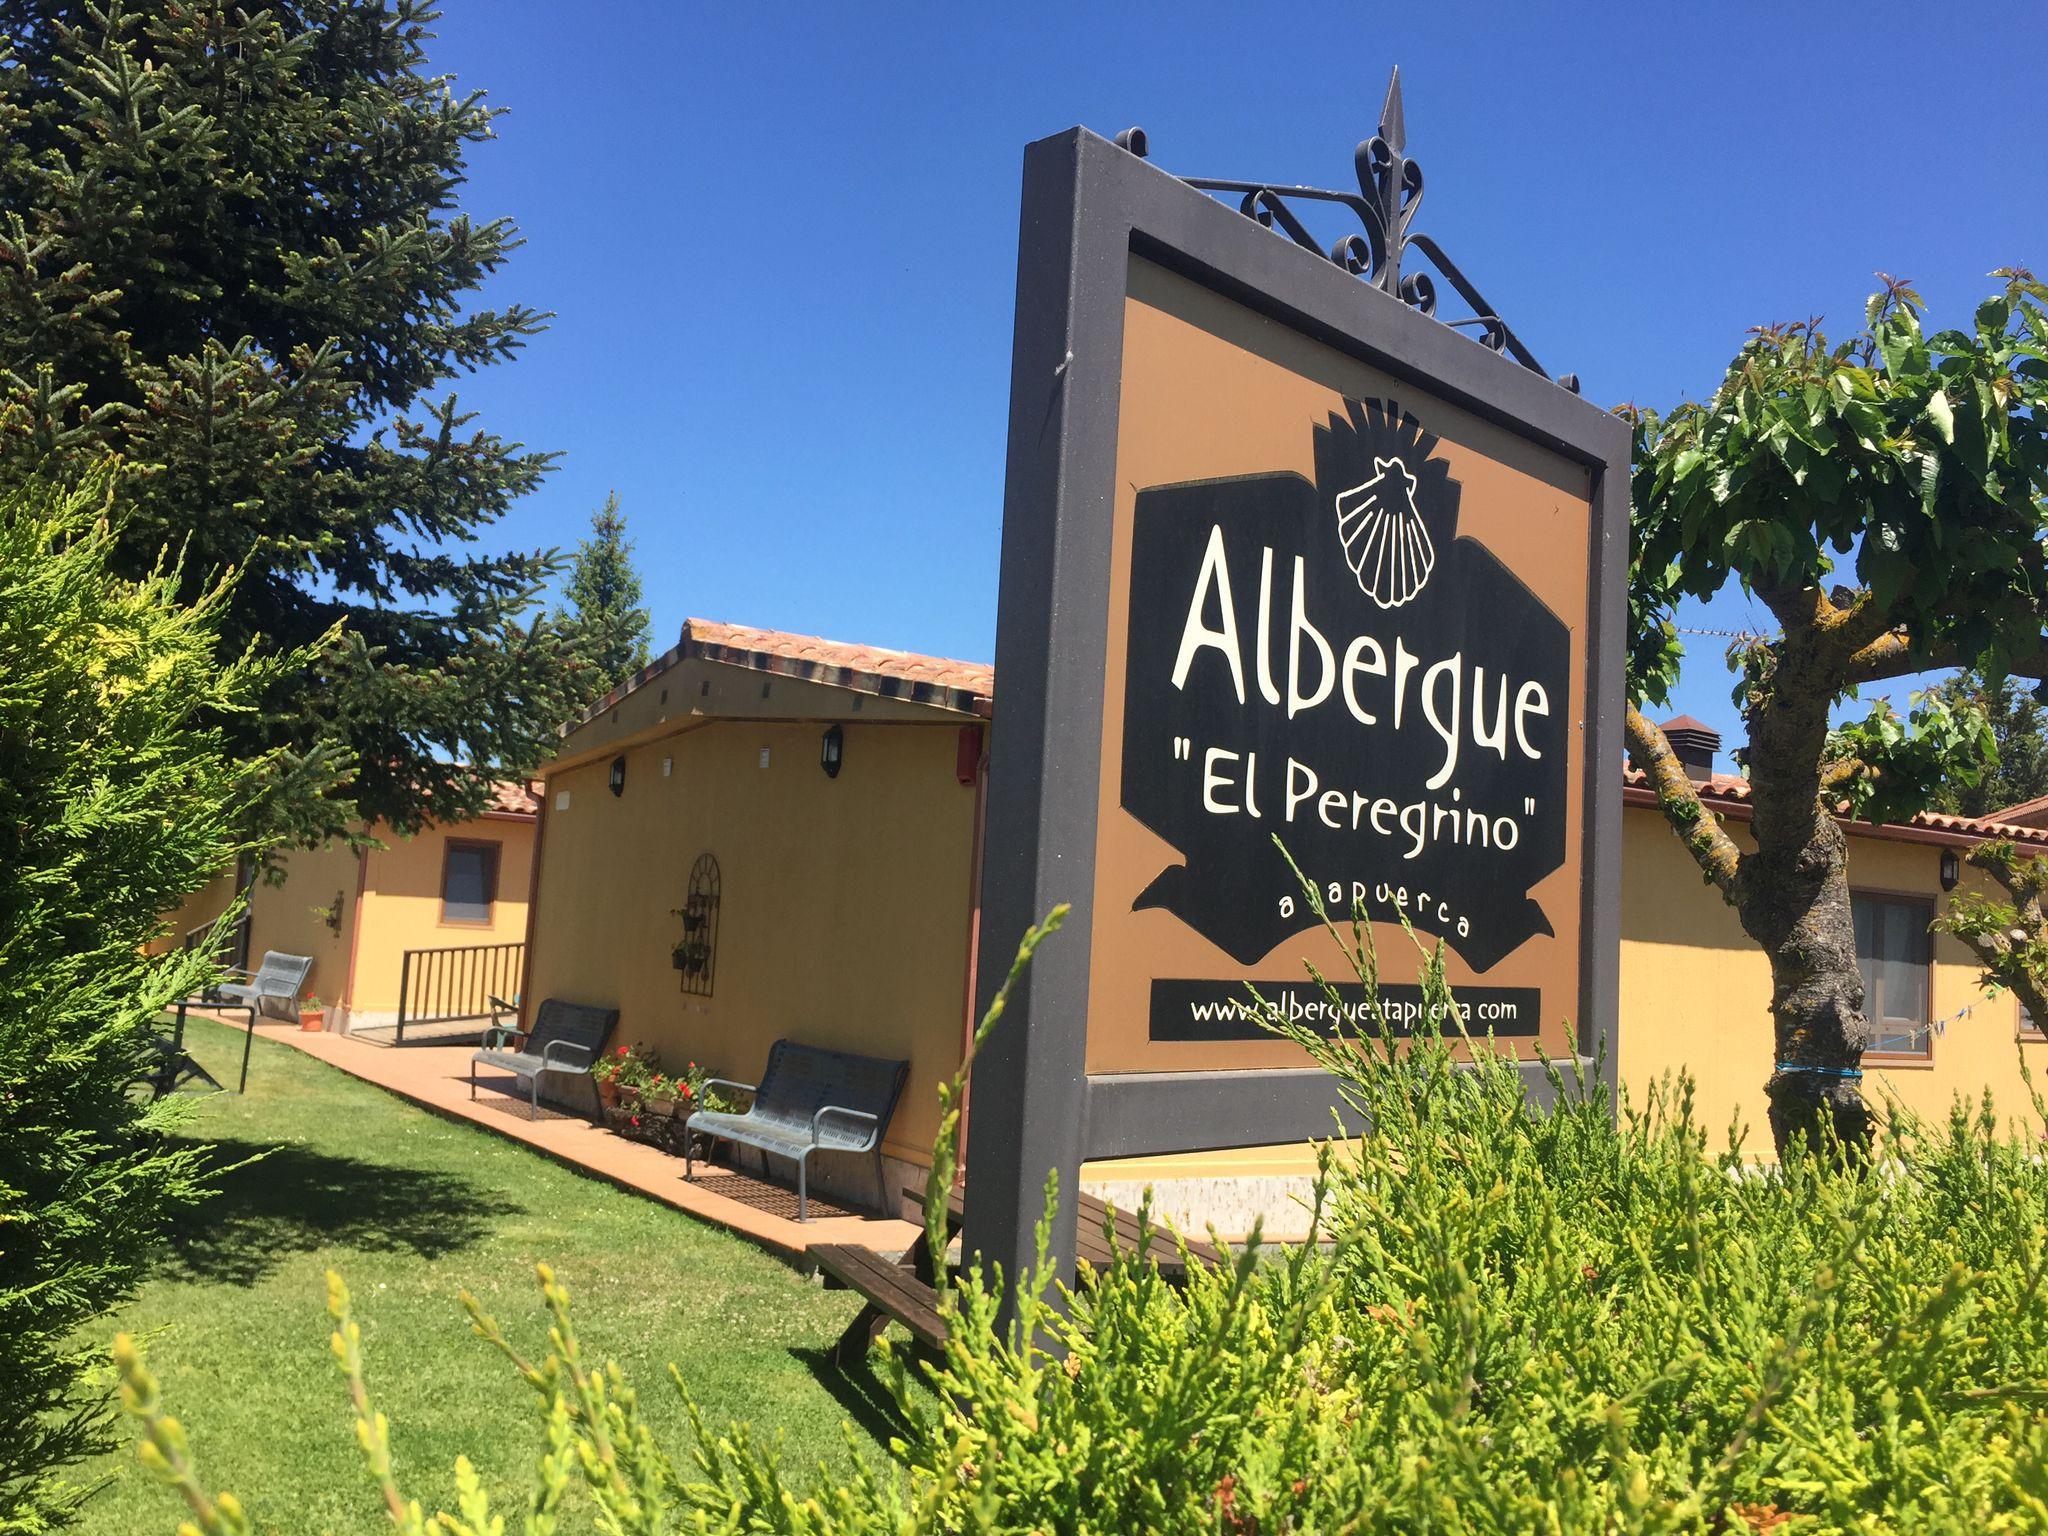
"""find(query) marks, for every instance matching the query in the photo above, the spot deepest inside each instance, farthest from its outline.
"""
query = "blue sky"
(780, 243)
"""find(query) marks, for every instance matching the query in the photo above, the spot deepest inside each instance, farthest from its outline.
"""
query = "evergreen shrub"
(118, 799)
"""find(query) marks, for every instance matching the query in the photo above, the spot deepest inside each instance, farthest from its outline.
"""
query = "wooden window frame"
(1931, 906)
(496, 849)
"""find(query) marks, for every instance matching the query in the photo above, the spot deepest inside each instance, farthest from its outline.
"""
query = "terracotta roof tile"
(966, 687)
(2026, 814)
(812, 655)
(509, 797)
(1732, 792)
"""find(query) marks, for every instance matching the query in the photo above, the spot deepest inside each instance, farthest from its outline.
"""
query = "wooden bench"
(894, 1292)
(902, 1292)
(566, 1037)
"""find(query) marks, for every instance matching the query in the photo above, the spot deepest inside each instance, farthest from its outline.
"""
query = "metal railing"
(232, 951)
(448, 986)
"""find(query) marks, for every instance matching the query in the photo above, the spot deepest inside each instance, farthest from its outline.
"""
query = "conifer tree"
(231, 252)
(606, 618)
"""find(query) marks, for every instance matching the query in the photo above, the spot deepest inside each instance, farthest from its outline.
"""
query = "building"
(429, 925)
(1695, 989)
(763, 835)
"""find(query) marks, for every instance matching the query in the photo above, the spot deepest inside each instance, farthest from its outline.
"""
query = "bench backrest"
(281, 975)
(583, 1024)
(802, 1079)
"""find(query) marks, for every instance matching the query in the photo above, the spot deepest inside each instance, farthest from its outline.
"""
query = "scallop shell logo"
(1385, 543)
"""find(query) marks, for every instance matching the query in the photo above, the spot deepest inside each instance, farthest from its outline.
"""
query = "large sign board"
(1281, 558)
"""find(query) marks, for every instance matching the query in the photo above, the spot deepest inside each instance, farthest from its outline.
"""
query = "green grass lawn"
(412, 1209)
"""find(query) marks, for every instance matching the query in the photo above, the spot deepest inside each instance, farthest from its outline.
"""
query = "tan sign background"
(1212, 390)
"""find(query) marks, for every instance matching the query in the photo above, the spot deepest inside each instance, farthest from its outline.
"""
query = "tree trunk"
(1799, 913)
(1794, 901)
(1791, 893)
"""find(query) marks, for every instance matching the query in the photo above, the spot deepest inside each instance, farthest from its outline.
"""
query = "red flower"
(686, 1091)
(620, 1052)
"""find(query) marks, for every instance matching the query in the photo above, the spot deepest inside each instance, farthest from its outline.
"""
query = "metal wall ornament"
(1388, 196)
(696, 953)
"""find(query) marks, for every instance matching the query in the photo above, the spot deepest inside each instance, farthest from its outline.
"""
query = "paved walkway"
(438, 1078)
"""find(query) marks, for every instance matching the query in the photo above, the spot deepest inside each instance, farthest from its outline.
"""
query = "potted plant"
(312, 1017)
(606, 1075)
(633, 1071)
(659, 1096)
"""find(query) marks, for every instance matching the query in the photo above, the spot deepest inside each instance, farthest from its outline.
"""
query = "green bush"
(1562, 1320)
(116, 802)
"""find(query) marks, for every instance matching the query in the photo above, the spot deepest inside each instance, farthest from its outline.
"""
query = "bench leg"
(803, 1203)
(860, 1336)
(881, 1183)
(472, 1077)
(533, 1096)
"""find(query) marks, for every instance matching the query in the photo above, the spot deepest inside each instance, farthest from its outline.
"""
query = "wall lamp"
(832, 752)
(1951, 869)
(618, 779)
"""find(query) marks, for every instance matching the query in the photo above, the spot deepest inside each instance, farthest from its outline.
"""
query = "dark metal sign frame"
(1088, 206)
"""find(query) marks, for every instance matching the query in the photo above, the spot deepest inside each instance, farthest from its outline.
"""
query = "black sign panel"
(1329, 663)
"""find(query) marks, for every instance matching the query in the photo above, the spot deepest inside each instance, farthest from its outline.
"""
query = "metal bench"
(272, 988)
(566, 1037)
(277, 981)
(808, 1100)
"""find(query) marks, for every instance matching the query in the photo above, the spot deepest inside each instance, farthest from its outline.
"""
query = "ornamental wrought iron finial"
(1388, 196)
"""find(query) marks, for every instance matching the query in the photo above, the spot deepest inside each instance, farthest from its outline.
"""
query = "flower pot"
(607, 1093)
(661, 1106)
(312, 1020)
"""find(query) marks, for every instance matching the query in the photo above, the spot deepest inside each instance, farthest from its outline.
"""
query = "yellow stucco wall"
(396, 907)
(281, 916)
(843, 914)
(401, 905)
(201, 907)
(1695, 990)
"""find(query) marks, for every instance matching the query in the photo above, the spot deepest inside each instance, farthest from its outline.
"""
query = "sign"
(1286, 564)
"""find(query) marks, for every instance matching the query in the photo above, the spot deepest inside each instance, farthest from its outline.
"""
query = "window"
(469, 882)
(1893, 951)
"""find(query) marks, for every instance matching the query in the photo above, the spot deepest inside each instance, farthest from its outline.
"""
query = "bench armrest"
(851, 1114)
(499, 1035)
(547, 1054)
(726, 1082)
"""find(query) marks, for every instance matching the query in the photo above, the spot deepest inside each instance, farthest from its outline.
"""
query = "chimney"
(1695, 744)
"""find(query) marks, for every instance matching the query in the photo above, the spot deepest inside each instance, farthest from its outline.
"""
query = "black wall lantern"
(832, 752)
(1951, 869)
(618, 779)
